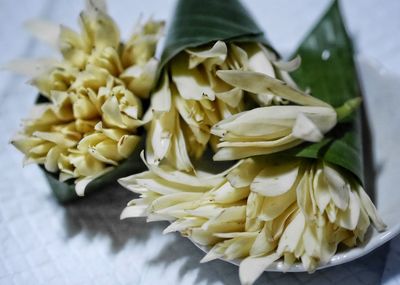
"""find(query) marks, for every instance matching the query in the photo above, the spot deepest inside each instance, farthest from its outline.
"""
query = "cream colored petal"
(45, 31)
(255, 203)
(41, 149)
(231, 97)
(278, 224)
(261, 83)
(134, 212)
(108, 58)
(338, 187)
(233, 153)
(90, 141)
(216, 54)
(170, 174)
(183, 224)
(81, 183)
(258, 60)
(62, 105)
(99, 30)
(142, 44)
(306, 130)
(244, 173)
(65, 176)
(140, 79)
(237, 57)
(201, 237)
(25, 143)
(179, 210)
(111, 113)
(252, 267)
(233, 226)
(231, 214)
(65, 166)
(92, 77)
(189, 113)
(72, 47)
(178, 153)
(56, 138)
(112, 133)
(195, 148)
(127, 144)
(236, 235)
(159, 139)
(321, 190)
(148, 180)
(288, 66)
(206, 211)
(31, 67)
(331, 211)
(264, 121)
(191, 83)
(86, 165)
(228, 194)
(276, 178)
(371, 210)
(96, 5)
(271, 144)
(83, 108)
(174, 199)
(274, 206)
(305, 198)
(363, 225)
(60, 78)
(217, 251)
(109, 148)
(52, 156)
(311, 241)
(263, 243)
(292, 234)
(239, 248)
(161, 98)
(348, 219)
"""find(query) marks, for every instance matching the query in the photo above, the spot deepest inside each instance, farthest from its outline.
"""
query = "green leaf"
(65, 191)
(328, 69)
(196, 23)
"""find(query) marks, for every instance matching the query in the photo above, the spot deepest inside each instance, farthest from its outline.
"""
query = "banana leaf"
(196, 23)
(328, 69)
(65, 191)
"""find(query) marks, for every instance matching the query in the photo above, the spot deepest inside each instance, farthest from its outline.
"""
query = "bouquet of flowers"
(87, 121)
(296, 192)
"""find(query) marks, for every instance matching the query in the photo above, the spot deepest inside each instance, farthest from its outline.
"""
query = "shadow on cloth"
(99, 215)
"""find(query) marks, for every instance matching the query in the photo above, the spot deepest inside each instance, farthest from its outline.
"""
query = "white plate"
(381, 100)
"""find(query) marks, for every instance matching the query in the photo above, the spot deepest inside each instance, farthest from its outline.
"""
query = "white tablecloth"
(42, 242)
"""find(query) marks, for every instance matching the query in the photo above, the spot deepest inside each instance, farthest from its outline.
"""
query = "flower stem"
(347, 108)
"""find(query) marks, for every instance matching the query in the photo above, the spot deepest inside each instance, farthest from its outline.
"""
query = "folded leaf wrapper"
(196, 23)
(328, 69)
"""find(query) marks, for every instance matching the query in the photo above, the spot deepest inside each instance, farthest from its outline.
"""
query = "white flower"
(271, 129)
(261, 210)
(91, 123)
(191, 98)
